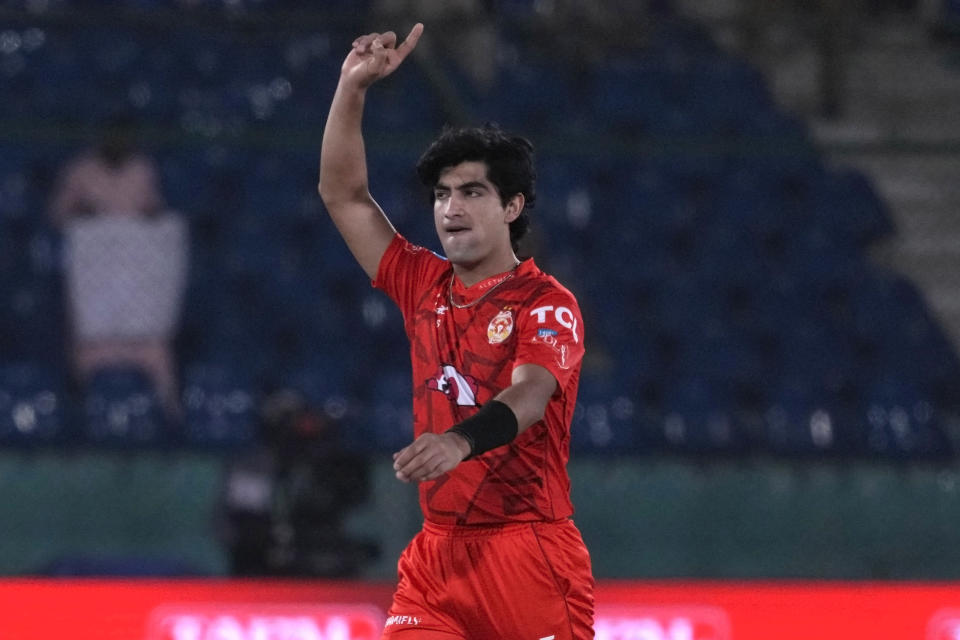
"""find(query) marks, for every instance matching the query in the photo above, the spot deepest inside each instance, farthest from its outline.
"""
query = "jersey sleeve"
(404, 270)
(551, 335)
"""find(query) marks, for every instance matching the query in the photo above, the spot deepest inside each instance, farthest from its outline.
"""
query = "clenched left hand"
(430, 456)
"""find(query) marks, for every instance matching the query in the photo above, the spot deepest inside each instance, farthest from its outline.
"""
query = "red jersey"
(463, 357)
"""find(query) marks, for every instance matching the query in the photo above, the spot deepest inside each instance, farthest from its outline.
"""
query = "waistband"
(480, 530)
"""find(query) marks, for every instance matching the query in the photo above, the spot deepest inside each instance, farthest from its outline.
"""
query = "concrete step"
(922, 193)
(941, 250)
(897, 82)
(922, 228)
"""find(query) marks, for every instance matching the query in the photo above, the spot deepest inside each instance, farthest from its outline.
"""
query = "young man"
(496, 347)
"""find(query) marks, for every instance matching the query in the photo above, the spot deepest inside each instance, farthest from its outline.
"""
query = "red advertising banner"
(54, 609)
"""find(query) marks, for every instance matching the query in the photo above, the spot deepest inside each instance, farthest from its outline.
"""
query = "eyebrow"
(473, 184)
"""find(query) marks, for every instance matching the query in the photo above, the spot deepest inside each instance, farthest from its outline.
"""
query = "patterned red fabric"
(528, 580)
(463, 357)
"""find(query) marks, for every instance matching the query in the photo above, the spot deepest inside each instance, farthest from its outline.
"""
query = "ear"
(514, 208)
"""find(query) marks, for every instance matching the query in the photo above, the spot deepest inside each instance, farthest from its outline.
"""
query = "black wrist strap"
(494, 425)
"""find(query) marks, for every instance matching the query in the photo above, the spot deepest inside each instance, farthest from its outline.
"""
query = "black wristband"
(494, 425)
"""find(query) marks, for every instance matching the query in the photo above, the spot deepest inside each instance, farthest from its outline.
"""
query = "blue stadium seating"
(33, 405)
(698, 416)
(727, 93)
(804, 418)
(219, 407)
(526, 95)
(901, 421)
(387, 423)
(31, 318)
(722, 269)
(122, 408)
(846, 204)
(605, 416)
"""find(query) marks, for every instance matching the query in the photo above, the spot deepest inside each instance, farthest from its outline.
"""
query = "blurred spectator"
(125, 261)
(113, 179)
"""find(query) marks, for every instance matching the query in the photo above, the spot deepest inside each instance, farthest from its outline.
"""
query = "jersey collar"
(465, 294)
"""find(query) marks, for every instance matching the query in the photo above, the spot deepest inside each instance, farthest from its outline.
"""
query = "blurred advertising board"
(65, 609)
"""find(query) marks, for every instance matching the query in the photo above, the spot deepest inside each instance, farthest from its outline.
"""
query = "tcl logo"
(662, 623)
(944, 625)
(265, 622)
(562, 315)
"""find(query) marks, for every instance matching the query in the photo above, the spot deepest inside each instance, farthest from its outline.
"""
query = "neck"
(470, 275)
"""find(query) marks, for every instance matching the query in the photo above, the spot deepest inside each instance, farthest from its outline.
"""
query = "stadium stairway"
(900, 125)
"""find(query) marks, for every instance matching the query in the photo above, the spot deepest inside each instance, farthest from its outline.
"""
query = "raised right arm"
(343, 183)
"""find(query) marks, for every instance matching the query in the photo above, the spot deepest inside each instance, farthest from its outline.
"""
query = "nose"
(452, 206)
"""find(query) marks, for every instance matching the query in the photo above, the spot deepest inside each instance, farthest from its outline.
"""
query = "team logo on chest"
(500, 327)
(459, 387)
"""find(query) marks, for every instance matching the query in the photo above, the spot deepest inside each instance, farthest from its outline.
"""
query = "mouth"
(456, 231)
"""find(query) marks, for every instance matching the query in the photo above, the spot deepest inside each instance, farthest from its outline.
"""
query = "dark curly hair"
(509, 161)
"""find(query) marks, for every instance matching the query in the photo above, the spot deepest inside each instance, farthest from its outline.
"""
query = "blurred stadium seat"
(33, 405)
(219, 407)
(387, 423)
(121, 408)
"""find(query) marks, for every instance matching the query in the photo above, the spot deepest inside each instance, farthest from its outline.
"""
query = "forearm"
(526, 401)
(508, 414)
(343, 164)
(497, 423)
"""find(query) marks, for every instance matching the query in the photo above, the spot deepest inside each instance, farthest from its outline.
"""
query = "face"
(471, 221)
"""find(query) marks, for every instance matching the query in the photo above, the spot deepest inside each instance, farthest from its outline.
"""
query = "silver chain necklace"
(485, 294)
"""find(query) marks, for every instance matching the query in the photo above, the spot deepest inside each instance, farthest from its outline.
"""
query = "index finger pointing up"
(410, 42)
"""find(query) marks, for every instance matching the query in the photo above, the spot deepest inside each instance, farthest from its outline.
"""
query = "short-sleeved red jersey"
(463, 357)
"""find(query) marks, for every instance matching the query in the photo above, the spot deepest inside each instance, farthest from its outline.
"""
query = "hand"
(376, 55)
(430, 456)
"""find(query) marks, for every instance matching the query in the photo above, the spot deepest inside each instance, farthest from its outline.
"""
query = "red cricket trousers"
(522, 581)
